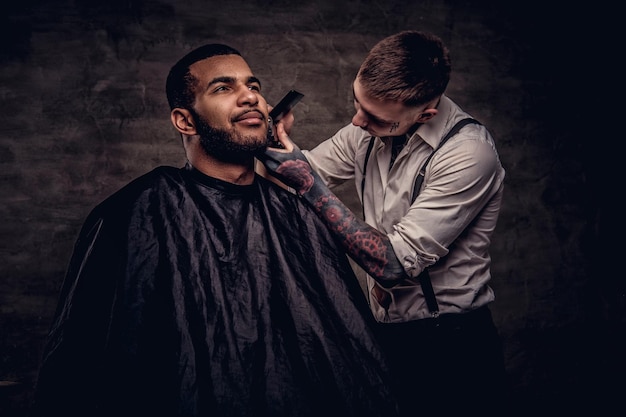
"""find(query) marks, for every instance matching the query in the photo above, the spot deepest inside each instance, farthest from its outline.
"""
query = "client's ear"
(183, 121)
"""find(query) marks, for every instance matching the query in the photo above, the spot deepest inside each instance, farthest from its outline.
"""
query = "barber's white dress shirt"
(448, 227)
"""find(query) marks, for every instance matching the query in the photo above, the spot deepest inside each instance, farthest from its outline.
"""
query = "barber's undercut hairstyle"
(412, 67)
(180, 84)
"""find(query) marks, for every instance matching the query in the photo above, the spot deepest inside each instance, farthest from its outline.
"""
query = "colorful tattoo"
(299, 174)
(370, 248)
(367, 246)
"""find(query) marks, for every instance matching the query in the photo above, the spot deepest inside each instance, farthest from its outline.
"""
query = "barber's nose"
(359, 120)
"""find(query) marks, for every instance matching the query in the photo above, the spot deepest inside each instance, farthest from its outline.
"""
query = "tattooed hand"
(289, 164)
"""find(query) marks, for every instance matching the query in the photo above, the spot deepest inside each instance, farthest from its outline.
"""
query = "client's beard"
(228, 145)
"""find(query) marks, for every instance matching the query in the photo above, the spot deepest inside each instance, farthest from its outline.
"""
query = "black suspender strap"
(429, 293)
(420, 175)
(367, 157)
(424, 277)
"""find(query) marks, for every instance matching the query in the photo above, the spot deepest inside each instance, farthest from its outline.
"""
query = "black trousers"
(449, 366)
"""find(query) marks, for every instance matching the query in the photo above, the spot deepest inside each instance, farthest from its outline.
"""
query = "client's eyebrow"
(231, 80)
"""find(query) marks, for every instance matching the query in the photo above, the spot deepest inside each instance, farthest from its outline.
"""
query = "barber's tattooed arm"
(367, 246)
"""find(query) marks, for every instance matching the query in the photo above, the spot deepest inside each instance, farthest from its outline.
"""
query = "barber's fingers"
(287, 121)
(284, 139)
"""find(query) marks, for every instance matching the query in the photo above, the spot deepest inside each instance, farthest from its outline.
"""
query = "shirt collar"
(432, 131)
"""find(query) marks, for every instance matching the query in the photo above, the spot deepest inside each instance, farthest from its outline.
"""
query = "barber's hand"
(289, 165)
(287, 119)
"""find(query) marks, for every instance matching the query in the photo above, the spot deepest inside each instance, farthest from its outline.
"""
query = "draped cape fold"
(189, 296)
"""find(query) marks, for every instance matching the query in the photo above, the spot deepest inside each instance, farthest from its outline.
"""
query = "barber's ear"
(183, 121)
(426, 115)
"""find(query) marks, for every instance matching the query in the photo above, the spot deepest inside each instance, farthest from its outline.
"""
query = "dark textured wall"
(84, 112)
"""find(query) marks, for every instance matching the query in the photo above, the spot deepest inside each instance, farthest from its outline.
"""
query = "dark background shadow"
(84, 112)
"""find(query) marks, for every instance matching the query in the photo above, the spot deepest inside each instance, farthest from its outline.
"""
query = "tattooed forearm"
(299, 174)
(369, 247)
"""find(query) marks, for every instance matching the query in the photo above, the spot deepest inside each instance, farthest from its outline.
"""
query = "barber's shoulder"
(473, 142)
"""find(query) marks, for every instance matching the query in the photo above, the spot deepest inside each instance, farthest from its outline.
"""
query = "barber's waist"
(448, 320)
(408, 303)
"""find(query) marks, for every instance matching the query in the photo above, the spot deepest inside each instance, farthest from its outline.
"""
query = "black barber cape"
(189, 296)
